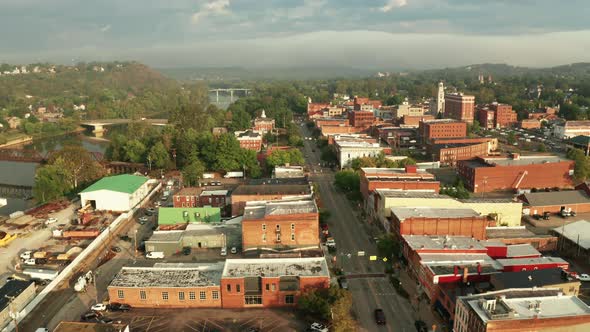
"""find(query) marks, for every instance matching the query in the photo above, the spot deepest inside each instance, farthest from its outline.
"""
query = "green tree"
(192, 172)
(473, 128)
(347, 180)
(581, 166)
(388, 246)
(158, 156)
(77, 165)
(341, 314)
(250, 163)
(135, 151)
(228, 153)
(511, 138)
(50, 183)
(542, 148)
(240, 120)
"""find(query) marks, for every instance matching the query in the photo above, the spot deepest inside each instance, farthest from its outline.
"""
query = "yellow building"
(508, 213)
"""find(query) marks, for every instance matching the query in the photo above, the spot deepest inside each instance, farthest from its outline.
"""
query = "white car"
(318, 327)
(26, 255)
(234, 250)
(99, 307)
(224, 251)
(584, 277)
(50, 221)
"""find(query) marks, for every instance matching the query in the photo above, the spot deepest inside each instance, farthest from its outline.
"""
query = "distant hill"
(239, 74)
(581, 69)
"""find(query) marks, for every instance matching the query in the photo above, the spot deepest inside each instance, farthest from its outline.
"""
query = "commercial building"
(330, 131)
(531, 264)
(459, 107)
(547, 113)
(182, 285)
(280, 225)
(406, 109)
(359, 102)
(361, 119)
(438, 221)
(187, 197)
(581, 142)
(504, 212)
(349, 149)
(570, 129)
(263, 125)
(14, 297)
(271, 282)
(441, 128)
(574, 238)
(408, 178)
(450, 154)
(539, 309)
(545, 278)
(529, 124)
(288, 172)
(538, 203)
(195, 236)
(115, 193)
(319, 123)
(315, 107)
(515, 173)
(492, 142)
(174, 216)
(521, 235)
(266, 192)
(249, 140)
(496, 115)
(414, 120)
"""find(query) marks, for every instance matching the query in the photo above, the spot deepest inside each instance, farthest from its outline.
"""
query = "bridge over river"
(98, 125)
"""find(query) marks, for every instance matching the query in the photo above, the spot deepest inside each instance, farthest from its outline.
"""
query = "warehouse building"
(269, 190)
(408, 178)
(116, 193)
(186, 215)
(20, 293)
(538, 203)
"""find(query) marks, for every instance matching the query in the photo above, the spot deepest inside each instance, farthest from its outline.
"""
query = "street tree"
(158, 156)
(192, 172)
(50, 183)
(135, 151)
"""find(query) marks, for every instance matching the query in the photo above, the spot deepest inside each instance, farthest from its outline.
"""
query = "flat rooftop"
(201, 275)
(214, 193)
(258, 210)
(426, 242)
(522, 160)
(529, 279)
(521, 250)
(531, 261)
(166, 236)
(276, 267)
(393, 193)
(437, 121)
(357, 144)
(577, 232)
(510, 232)
(189, 191)
(375, 174)
(273, 189)
(403, 213)
(557, 198)
(529, 307)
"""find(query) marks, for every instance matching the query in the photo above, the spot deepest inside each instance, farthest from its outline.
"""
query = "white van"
(155, 255)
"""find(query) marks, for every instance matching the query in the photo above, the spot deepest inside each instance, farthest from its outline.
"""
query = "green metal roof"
(125, 183)
(581, 140)
(181, 215)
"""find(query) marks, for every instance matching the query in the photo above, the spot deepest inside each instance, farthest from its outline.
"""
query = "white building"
(116, 193)
(288, 172)
(571, 129)
(438, 106)
(349, 149)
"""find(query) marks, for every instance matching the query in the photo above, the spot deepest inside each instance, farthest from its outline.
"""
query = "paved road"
(351, 237)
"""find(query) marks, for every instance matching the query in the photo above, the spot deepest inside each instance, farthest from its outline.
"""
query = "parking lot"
(209, 320)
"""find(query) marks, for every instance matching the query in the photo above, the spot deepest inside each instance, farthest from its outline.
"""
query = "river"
(23, 174)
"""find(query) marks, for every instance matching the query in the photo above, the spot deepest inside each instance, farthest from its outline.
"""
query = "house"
(116, 193)
(249, 140)
(271, 282)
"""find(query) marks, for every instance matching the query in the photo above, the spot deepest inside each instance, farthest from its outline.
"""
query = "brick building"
(187, 197)
(492, 142)
(545, 278)
(249, 140)
(361, 119)
(263, 124)
(280, 225)
(315, 107)
(215, 198)
(529, 124)
(265, 192)
(414, 120)
(442, 128)
(547, 113)
(406, 109)
(450, 154)
(359, 102)
(271, 282)
(168, 285)
(438, 221)
(531, 264)
(538, 203)
(515, 173)
(496, 115)
(319, 123)
(459, 107)
(409, 178)
(525, 309)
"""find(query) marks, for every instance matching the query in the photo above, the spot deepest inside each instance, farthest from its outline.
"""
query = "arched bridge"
(98, 125)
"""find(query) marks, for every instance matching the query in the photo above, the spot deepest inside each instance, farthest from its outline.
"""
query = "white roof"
(577, 232)
(276, 267)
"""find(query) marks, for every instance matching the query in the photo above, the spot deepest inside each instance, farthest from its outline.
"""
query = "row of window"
(278, 227)
(278, 237)
(181, 295)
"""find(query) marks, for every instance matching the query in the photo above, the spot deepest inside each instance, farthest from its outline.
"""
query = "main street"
(351, 235)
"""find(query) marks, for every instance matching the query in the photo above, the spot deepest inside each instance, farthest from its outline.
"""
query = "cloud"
(211, 8)
(105, 28)
(391, 4)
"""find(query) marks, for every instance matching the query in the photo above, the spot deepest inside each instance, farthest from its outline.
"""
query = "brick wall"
(468, 226)
(263, 232)
(154, 297)
(556, 324)
(432, 130)
(238, 202)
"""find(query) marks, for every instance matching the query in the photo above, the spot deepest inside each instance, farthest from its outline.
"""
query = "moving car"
(379, 317)
(584, 277)
(155, 255)
(26, 255)
(99, 307)
(318, 327)
(50, 221)
(115, 249)
(224, 251)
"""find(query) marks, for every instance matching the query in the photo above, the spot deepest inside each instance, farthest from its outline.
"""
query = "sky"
(396, 34)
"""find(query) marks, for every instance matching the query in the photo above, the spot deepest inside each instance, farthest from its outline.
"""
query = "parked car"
(379, 317)
(50, 221)
(115, 249)
(234, 250)
(224, 251)
(90, 315)
(143, 220)
(421, 326)
(343, 283)
(186, 251)
(584, 277)
(99, 307)
(26, 255)
(118, 307)
(105, 320)
(155, 255)
(151, 211)
(318, 327)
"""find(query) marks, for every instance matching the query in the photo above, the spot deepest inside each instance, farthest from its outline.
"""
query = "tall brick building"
(459, 107)
(515, 172)
(409, 178)
(450, 154)
(263, 124)
(441, 128)
(272, 282)
(249, 140)
(496, 115)
(280, 225)
(361, 119)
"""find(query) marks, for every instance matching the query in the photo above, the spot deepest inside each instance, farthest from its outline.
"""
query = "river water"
(23, 174)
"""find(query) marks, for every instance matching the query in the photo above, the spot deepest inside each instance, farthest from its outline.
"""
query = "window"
(267, 286)
(181, 296)
(202, 295)
(263, 237)
(278, 227)
(215, 295)
(278, 236)
(263, 227)
(292, 236)
(191, 296)
(165, 296)
(253, 299)
(238, 288)
(120, 294)
(142, 295)
(229, 288)
(292, 227)
(289, 299)
(274, 287)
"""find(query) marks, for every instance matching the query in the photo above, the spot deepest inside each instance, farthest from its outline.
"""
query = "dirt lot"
(208, 320)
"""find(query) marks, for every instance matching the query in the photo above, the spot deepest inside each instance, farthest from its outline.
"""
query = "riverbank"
(17, 141)
(24, 139)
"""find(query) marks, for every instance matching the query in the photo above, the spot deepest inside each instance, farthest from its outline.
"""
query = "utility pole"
(485, 181)
(12, 313)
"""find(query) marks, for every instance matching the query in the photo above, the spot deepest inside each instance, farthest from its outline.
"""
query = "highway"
(351, 236)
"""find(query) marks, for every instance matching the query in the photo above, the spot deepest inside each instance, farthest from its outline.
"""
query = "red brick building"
(460, 107)
(315, 107)
(530, 124)
(361, 119)
(443, 128)
(265, 192)
(531, 264)
(515, 172)
(249, 140)
(576, 201)
(215, 198)
(280, 225)
(410, 178)
(360, 101)
(271, 282)
(187, 197)
(547, 113)
(414, 120)
(496, 115)
(263, 124)
(438, 221)
(450, 154)
(330, 122)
